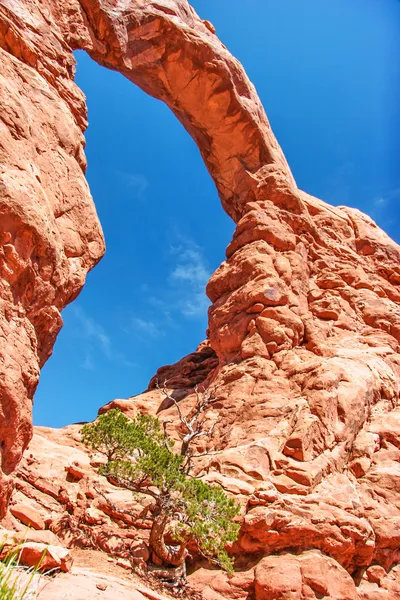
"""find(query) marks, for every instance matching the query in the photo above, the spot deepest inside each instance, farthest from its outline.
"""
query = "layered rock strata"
(304, 326)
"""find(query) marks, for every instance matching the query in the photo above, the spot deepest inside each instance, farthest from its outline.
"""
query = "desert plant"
(140, 458)
(13, 586)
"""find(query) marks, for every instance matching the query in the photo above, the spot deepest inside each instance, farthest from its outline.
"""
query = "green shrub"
(140, 458)
(13, 585)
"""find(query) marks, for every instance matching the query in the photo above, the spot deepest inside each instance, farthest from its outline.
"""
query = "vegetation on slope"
(140, 458)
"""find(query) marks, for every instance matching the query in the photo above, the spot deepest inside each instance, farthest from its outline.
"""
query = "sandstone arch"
(162, 47)
(305, 319)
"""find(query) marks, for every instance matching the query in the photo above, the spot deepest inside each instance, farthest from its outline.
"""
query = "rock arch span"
(305, 320)
(50, 233)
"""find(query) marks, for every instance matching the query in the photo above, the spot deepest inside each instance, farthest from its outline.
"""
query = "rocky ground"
(328, 527)
(92, 574)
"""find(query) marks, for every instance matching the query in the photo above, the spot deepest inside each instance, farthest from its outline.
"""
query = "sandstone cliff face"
(49, 232)
(336, 538)
(304, 326)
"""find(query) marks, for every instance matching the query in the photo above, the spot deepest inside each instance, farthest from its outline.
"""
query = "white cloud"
(184, 292)
(93, 331)
(146, 327)
(384, 209)
(95, 336)
(189, 277)
(137, 183)
(392, 196)
(196, 306)
(191, 268)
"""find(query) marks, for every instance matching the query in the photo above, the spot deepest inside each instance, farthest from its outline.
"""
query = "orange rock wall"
(305, 320)
(49, 229)
(49, 232)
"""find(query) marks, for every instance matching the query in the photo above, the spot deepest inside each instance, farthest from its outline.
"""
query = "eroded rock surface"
(49, 232)
(337, 537)
(303, 355)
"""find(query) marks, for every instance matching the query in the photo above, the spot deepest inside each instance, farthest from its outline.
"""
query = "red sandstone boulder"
(46, 558)
(28, 515)
(308, 576)
(322, 576)
(278, 578)
(40, 550)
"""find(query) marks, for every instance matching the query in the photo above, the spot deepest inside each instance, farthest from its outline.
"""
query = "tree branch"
(121, 510)
(132, 486)
(164, 390)
(194, 426)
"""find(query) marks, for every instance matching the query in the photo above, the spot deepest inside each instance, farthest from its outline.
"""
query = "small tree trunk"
(185, 445)
(174, 556)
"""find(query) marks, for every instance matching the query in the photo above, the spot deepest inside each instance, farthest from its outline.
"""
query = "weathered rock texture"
(49, 232)
(304, 324)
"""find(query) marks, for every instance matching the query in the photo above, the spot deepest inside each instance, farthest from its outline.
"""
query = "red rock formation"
(49, 232)
(337, 538)
(305, 320)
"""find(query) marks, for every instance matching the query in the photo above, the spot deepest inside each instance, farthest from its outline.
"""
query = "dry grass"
(16, 583)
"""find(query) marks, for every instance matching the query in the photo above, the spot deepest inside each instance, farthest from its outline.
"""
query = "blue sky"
(327, 74)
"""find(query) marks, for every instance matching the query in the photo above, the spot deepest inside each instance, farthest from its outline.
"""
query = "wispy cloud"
(137, 184)
(146, 327)
(93, 331)
(387, 198)
(183, 293)
(384, 209)
(189, 277)
(96, 339)
(191, 268)
(196, 305)
(381, 201)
